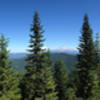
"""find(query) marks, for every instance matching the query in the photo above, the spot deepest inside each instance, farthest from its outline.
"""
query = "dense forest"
(46, 76)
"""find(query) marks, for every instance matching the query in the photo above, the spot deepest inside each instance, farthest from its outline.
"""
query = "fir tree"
(8, 80)
(86, 62)
(61, 78)
(71, 94)
(48, 83)
(97, 48)
(38, 83)
(97, 43)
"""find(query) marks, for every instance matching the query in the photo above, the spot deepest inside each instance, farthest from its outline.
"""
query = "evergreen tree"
(8, 80)
(86, 62)
(71, 94)
(48, 84)
(61, 78)
(97, 43)
(38, 83)
(97, 47)
(96, 88)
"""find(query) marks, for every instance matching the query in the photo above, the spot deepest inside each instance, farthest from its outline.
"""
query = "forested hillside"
(68, 59)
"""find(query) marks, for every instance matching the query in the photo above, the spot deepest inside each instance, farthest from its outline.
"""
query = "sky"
(62, 21)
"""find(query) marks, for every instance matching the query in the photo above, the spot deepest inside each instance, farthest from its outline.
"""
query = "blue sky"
(62, 21)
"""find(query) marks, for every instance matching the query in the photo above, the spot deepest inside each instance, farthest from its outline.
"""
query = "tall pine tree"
(61, 78)
(97, 48)
(8, 78)
(38, 82)
(97, 43)
(87, 63)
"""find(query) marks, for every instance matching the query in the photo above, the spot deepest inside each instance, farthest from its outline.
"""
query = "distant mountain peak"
(65, 49)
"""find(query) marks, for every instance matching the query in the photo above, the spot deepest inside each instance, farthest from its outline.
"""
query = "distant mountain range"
(17, 55)
(61, 49)
(19, 63)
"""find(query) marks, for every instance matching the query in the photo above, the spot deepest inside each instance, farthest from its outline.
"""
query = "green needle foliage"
(38, 82)
(87, 63)
(97, 47)
(61, 78)
(97, 43)
(48, 84)
(71, 94)
(8, 79)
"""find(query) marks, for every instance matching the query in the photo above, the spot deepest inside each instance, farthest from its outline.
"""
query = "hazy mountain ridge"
(18, 60)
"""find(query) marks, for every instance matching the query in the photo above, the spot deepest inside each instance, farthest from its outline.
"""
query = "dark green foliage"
(97, 47)
(61, 78)
(48, 84)
(86, 62)
(8, 83)
(19, 64)
(68, 59)
(96, 88)
(97, 44)
(38, 83)
(71, 94)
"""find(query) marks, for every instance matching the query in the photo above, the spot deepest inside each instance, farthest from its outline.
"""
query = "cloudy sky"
(62, 21)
